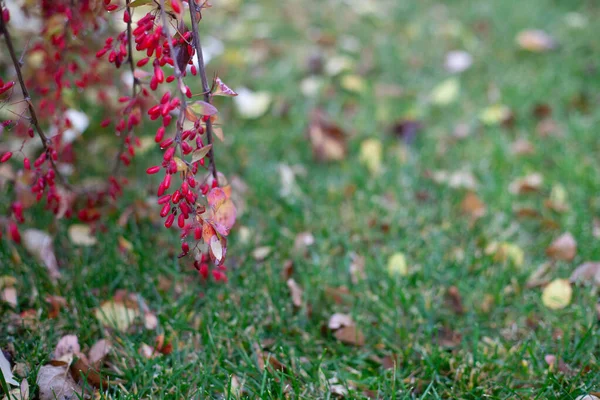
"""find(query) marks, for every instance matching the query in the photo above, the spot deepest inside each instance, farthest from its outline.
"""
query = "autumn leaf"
(587, 272)
(527, 184)
(396, 265)
(81, 235)
(563, 248)
(557, 294)
(67, 345)
(472, 206)
(39, 244)
(221, 89)
(116, 315)
(6, 371)
(55, 382)
(446, 92)
(350, 335)
(535, 40)
(371, 154)
(296, 292)
(328, 140)
(454, 300)
(200, 153)
(252, 105)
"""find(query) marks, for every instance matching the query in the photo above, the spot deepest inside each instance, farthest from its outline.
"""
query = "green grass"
(215, 328)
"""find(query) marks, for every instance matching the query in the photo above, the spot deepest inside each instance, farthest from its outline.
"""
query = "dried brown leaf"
(296, 292)
(563, 248)
(338, 320)
(587, 272)
(472, 206)
(328, 140)
(55, 382)
(98, 352)
(454, 300)
(56, 303)
(350, 335)
(67, 345)
(39, 244)
(528, 184)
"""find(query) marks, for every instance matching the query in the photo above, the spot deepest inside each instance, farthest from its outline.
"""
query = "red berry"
(6, 156)
(153, 170)
(169, 220)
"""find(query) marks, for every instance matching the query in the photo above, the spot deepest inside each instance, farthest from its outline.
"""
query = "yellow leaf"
(397, 265)
(446, 92)
(371, 152)
(494, 115)
(353, 83)
(557, 294)
(116, 315)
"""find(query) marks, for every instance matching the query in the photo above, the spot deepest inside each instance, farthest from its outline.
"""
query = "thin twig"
(46, 143)
(205, 88)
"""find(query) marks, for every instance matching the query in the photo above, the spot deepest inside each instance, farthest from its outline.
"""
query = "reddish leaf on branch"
(221, 89)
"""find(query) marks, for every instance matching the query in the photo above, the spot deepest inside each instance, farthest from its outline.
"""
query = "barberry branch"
(136, 82)
(46, 142)
(178, 74)
(205, 88)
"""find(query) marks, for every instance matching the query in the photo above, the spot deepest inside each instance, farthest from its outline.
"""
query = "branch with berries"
(193, 196)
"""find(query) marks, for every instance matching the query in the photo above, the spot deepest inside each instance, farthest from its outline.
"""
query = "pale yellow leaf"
(397, 265)
(557, 294)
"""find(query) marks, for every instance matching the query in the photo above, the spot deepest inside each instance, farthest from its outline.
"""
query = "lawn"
(464, 319)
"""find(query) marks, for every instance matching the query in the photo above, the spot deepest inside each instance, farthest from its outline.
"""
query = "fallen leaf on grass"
(472, 206)
(350, 335)
(6, 371)
(557, 294)
(56, 303)
(455, 179)
(261, 253)
(8, 292)
(67, 345)
(371, 154)
(563, 248)
(528, 184)
(98, 352)
(252, 105)
(522, 147)
(446, 92)
(338, 320)
(55, 382)
(535, 40)
(454, 299)
(357, 268)
(506, 251)
(539, 277)
(39, 244)
(396, 265)
(81, 235)
(296, 292)
(587, 272)
(457, 61)
(302, 241)
(448, 338)
(495, 115)
(113, 314)
(556, 364)
(328, 140)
